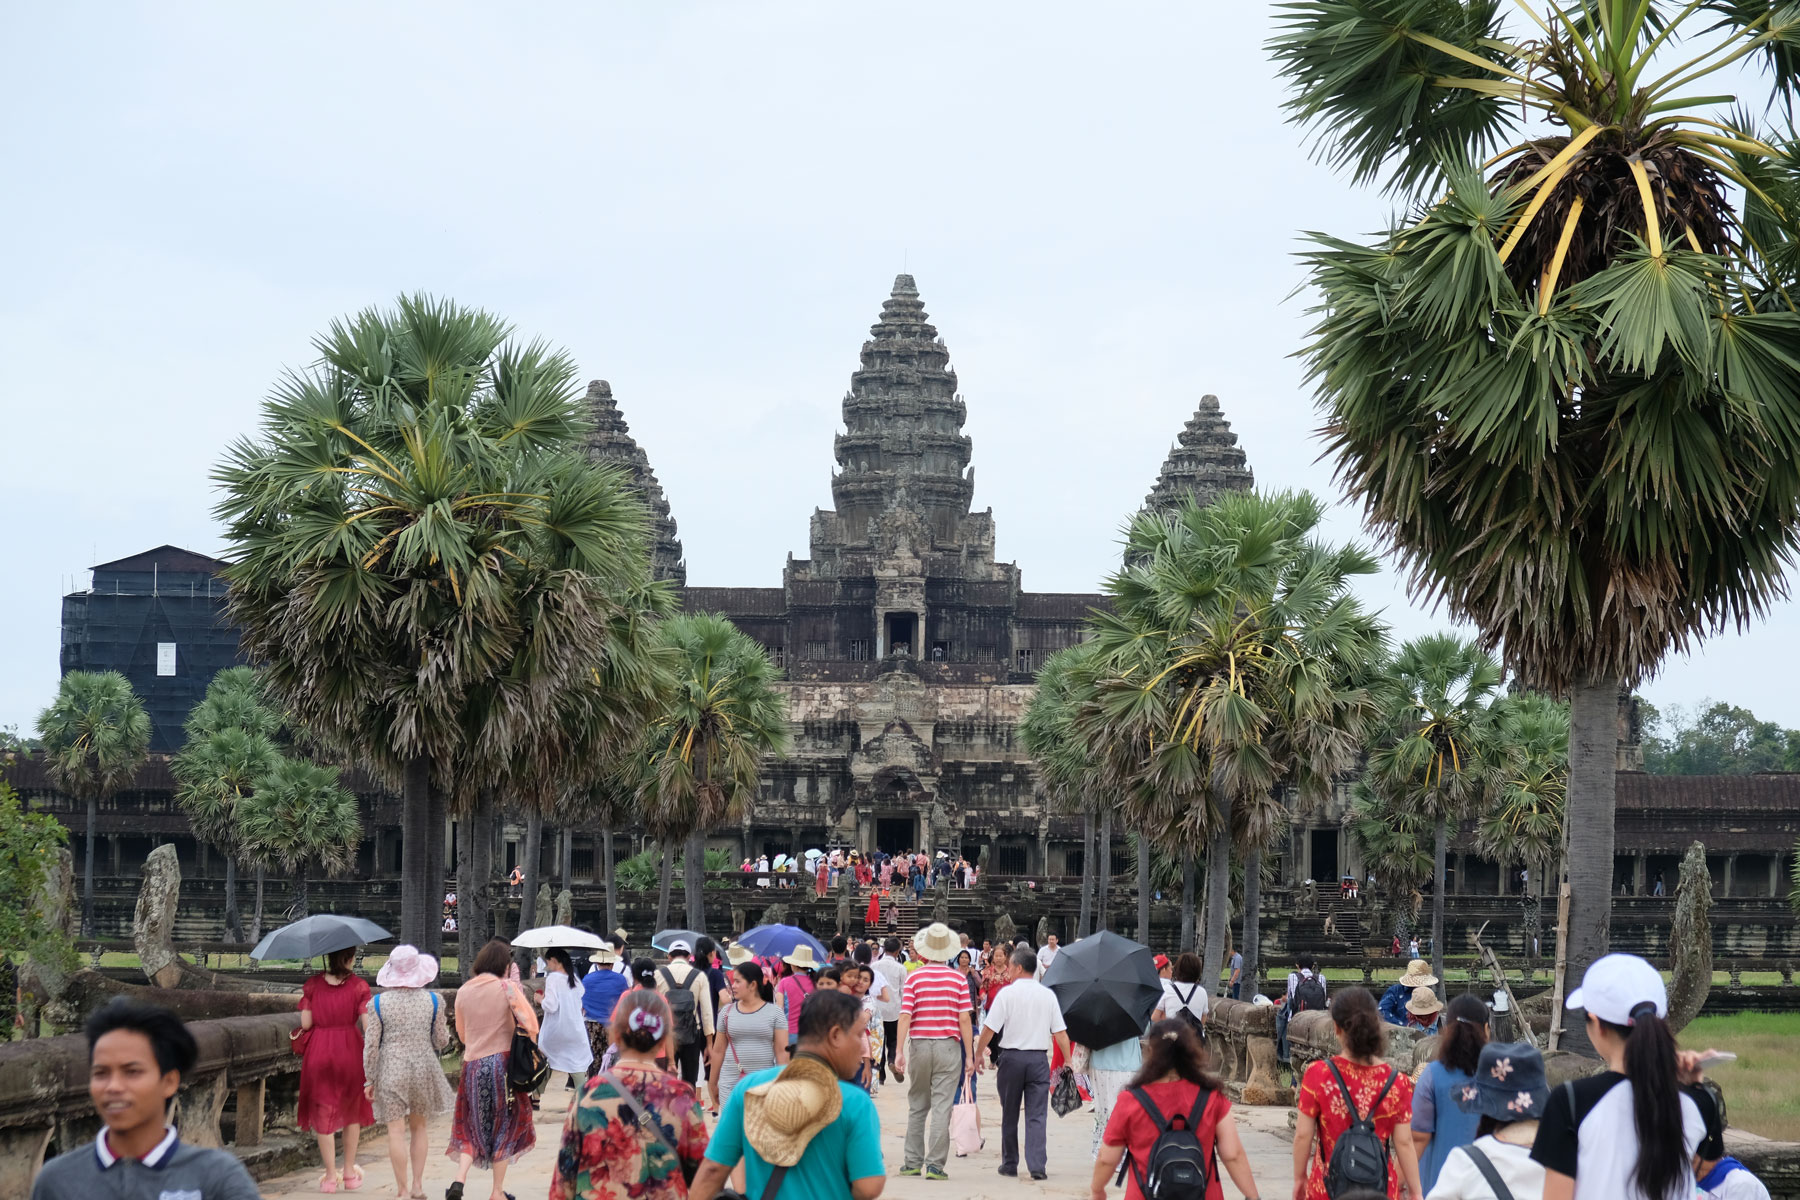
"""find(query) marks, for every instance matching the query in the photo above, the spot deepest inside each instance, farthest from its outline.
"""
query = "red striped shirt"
(934, 996)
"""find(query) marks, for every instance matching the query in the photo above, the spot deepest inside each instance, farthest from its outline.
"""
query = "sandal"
(454, 1191)
(328, 1185)
(352, 1183)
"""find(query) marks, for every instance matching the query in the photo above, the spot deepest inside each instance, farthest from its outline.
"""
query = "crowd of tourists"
(718, 1072)
(908, 872)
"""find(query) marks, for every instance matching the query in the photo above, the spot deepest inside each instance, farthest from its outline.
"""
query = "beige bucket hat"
(801, 957)
(936, 942)
(1418, 974)
(1424, 1003)
(783, 1115)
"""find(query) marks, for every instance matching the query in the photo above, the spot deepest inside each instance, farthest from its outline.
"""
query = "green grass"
(1760, 1095)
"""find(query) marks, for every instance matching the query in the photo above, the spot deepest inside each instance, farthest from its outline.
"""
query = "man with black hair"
(892, 973)
(840, 949)
(1024, 1019)
(687, 988)
(803, 1113)
(137, 1055)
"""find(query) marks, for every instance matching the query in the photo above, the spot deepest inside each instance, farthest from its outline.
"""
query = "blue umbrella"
(779, 941)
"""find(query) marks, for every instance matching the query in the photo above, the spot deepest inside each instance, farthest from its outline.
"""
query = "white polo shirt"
(1024, 1015)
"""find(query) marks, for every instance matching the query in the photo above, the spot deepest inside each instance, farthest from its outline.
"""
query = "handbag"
(526, 1066)
(299, 1040)
(965, 1126)
(1065, 1097)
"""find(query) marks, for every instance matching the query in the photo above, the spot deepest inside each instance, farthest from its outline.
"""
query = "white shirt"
(1172, 1003)
(1045, 957)
(887, 1005)
(1024, 1015)
(1461, 1179)
(1597, 1143)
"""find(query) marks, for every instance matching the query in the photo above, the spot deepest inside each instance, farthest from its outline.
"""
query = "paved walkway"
(1264, 1131)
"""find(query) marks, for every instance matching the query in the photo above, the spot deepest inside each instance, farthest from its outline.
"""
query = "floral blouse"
(606, 1155)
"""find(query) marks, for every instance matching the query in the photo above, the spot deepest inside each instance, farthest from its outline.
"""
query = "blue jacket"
(1393, 1004)
(600, 992)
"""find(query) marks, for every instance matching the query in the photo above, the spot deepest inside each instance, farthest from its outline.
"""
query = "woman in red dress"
(334, 1008)
(1324, 1116)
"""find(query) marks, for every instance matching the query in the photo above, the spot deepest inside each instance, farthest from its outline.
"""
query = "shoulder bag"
(1489, 1172)
(526, 1066)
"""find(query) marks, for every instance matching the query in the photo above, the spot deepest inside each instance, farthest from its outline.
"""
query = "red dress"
(1322, 1100)
(331, 1074)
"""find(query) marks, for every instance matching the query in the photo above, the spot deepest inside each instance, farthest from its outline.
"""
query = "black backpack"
(1198, 1026)
(1178, 1168)
(1309, 994)
(1359, 1159)
(682, 1007)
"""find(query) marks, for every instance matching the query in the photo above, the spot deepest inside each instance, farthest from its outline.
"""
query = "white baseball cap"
(1617, 983)
(680, 946)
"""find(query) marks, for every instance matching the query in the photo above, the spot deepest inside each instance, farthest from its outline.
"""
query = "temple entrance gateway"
(894, 834)
(902, 633)
(1324, 855)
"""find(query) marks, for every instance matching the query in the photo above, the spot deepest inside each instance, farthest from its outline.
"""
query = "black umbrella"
(310, 937)
(1107, 986)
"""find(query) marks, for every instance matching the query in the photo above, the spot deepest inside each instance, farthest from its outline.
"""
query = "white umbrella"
(546, 936)
(815, 854)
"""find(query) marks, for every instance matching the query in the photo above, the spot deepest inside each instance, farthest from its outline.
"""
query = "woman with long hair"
(1359, 1076)
(1506, 1097)
(636, 1130)
(492, 1126)
(563, 1038)
(1185, 993)
(794, 986)
(1629, 1132)
(400, 1060)
(1173, 1085)
(1438, 1125)
(753, 1035)
(334, 1016)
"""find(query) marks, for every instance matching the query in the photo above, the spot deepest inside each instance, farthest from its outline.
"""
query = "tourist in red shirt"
(937, 1050)
(1173, 1077)
(1323, 1116)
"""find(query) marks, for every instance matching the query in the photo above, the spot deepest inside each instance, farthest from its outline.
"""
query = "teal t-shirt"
(847, 1149)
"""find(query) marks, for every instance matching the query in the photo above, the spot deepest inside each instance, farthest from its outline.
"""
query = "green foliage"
(1395, 842)
(13, 742)
(1525, 823)
(230, 747)
(1437, 746)
(95, 733)
(1716, 739)
(642, 871)
(300, 817)
(27, 842)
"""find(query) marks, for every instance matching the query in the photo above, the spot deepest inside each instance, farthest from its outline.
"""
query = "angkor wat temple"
(910, 655)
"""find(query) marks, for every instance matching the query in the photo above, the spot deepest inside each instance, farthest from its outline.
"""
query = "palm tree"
(298, 818)
(425, 564)
(96, 735)
(1068, 770)
(708, 744)
(1525, 824)
(1231, 628)
(1438, 751)
(230, 744)
(1564, 390)
(1395, 843)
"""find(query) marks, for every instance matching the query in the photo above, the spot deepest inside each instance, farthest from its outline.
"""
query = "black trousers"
(688, 1059)
(1023, 1080)
(890, 1034)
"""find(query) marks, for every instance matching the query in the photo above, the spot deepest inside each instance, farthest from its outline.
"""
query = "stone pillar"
(250, 1097)
(1730, 873)
(115, 844)
(1639, 875)
(1460, 862)
(1775, 875)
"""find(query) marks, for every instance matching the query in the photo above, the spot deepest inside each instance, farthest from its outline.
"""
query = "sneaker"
(935, 1174)
(1039, 1175)
(910, 1172)
(1009, 1172)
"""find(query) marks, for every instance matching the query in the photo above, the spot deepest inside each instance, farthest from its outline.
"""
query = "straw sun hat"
(1418, 974)
(783, 1115)
(936, 942)
(802, 957)
(1424, 1002)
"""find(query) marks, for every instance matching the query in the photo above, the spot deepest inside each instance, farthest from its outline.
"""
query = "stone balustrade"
(1240, 1039)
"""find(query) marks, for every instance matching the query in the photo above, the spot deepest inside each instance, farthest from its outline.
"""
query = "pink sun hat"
(406, 967)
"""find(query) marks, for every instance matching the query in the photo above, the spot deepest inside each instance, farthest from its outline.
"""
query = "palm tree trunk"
(1084, 921)
(693, 881)
(1440, 854)
(1143, 889)
(534, 851)
(1593, 783)
(662, 890)
(437, 819)
(234, 923)
(566, 863)
(415, 851)
(467, 881)
(87, 873)
(1103, 893)
(299, 891)
(612, 881)
(1251, 942)
(256, 921)
(486, 836)
(1187, 898)
(1218, 898)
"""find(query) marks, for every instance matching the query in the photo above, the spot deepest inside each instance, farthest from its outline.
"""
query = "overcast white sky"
(707, 204)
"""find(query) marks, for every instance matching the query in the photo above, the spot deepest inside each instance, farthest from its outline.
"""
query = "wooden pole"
(1559, 989)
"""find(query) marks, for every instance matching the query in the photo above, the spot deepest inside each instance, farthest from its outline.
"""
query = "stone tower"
(1206, 460)
(903, 445)
(611, 443)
